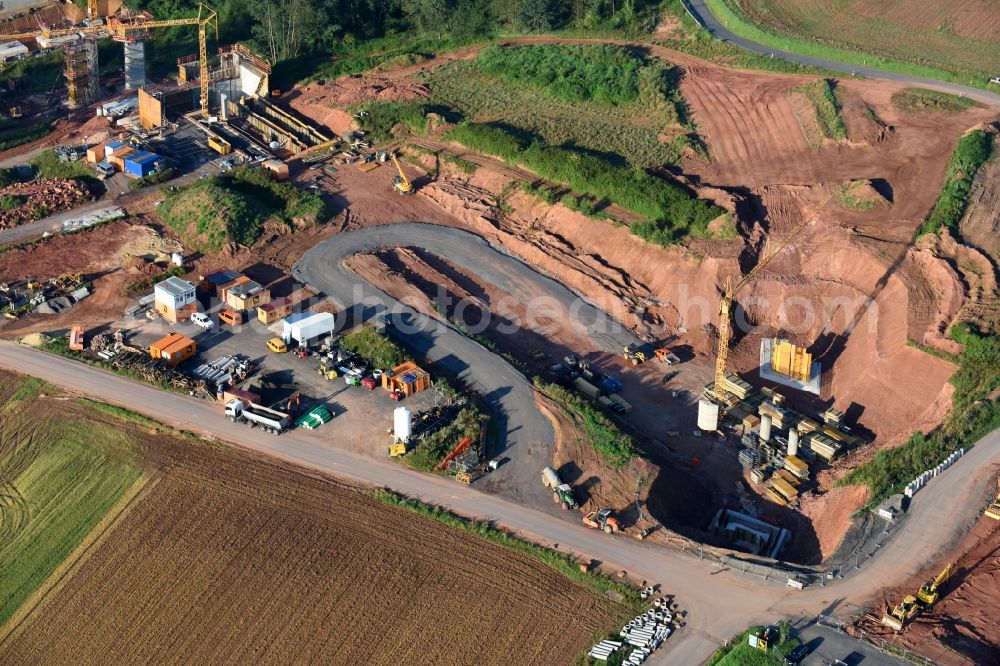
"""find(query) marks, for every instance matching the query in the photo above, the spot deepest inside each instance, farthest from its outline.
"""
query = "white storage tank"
(708, 415)
(765, 428)
(793, 442)
(177, 259)
(550, 478)
(402, 423)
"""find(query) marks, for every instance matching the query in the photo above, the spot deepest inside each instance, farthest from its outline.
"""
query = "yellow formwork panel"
(789, 360)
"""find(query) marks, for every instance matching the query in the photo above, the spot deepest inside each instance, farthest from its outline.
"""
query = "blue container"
(141, 164)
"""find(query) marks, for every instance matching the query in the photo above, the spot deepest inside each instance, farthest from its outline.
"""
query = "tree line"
(288, 29)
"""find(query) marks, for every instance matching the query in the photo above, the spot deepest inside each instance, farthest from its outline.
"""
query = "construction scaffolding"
(789, 360)
(81, 70)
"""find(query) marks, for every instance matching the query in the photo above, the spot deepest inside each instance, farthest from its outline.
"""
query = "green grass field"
(739, 652)
(59, 477)
(629, 132)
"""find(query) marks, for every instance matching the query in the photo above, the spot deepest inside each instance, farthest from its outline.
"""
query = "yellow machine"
(929, 591)
(632, 353)
(902, 613)
(220, 145)
(401, 183)
(993, 510)
(397, 449)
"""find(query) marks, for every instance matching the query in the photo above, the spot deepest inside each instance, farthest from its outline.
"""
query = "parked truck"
(586, 388)
(270, 420)
(562, 493)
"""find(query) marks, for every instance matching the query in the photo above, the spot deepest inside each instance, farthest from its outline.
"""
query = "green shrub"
(970, 154)
(9, 202)
(674, 213)
(155, 178)
(432, 449)
(606, 74)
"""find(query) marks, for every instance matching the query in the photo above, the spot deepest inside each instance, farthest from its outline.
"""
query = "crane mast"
(729, 294)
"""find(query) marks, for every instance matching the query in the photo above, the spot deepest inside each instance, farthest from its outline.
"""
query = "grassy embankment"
(822, 96)
(61, 476)
(233, 207)
(971, 153)
(614, 446)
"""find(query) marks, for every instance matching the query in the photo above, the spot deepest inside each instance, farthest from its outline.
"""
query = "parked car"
(796, 655)
(201, 319)
(277, 345)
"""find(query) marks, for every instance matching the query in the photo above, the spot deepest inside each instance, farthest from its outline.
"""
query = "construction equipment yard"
(745, 367)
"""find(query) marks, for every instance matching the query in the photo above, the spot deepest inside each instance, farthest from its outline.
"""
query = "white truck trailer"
(270, 420)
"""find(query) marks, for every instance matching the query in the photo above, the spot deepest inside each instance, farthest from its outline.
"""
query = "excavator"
(911, 605)
(929, 591)
(602, 519)
(401, 183)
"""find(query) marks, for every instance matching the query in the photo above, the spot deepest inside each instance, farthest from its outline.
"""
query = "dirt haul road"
(720, 602)
(526, 435)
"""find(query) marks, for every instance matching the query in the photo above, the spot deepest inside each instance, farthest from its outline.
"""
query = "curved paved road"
(526, 435)
(700, 11)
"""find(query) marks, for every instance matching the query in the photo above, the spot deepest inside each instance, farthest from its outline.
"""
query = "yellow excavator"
(929, 591)
(911, 605)
(401, 183)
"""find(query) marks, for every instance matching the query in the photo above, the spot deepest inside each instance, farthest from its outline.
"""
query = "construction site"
(314, 259)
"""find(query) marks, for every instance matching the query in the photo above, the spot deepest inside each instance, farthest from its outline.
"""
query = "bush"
(606, 74)
(21, 136)
(383, 116)
(155, 178)
(970, 154)
(9, 202)
(921, 99)
(47, 165)
(673, 212)
(374, 346)
(431, 450)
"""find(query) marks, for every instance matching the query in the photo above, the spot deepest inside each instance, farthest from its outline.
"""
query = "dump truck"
(269, 420)
(562, 493)
(601, 519)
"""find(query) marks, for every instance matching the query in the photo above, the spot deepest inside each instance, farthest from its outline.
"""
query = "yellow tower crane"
(119, 29)
(726, 305)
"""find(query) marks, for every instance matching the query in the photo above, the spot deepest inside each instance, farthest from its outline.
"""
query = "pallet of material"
(823, 446)
(736, 386)
(797, 466)
(788, 478)
(369, 166)
(779, 416)
(784, 488)
(776, 497)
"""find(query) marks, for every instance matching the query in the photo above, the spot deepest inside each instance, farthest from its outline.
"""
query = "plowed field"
(229, 559)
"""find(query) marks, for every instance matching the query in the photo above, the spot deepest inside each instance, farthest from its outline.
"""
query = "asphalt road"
(699, 9)
(526, 436)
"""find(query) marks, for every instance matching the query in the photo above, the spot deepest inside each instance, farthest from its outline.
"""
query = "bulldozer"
(634, 354)
(397, 449)
(930, 591)
(602, 519)
(902, 613)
